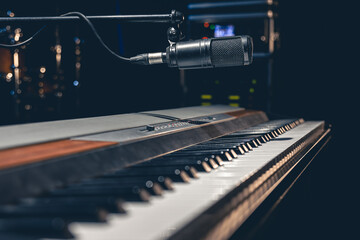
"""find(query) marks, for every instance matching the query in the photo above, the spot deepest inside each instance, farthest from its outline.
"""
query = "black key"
(234, 148)
(230, 143)
(152, 187)
(84, 213)
(27, 228)
(199, 165)
(243, 141)
(262, 139)
(238, 142)
(221, 144)
(243, 146)
(247, 133)
(204, 153)
(253, 143)
(18, 236)
(111, 204)
(214, 147)
(266, 137)
(191, 171)
(209, 159)
(133, 193)
(248, 146)
(175, 174)
(218, 160)
(164, 182)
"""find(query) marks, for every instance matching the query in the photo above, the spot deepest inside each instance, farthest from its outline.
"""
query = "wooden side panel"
(242, 113)
(40, 152)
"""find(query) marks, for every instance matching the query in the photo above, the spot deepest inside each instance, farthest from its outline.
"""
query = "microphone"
(203, 53)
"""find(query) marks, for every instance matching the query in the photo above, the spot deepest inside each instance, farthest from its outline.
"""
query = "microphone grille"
(226, 52)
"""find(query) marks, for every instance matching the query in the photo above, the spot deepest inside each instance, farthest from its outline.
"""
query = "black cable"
(82, 17)
(24, 42)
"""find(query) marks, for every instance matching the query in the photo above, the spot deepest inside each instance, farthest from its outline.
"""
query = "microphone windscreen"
(231, 51)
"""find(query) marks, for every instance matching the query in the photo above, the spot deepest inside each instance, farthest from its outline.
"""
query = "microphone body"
(191, 54)
(203, 53)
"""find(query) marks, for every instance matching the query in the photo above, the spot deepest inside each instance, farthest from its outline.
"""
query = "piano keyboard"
(204, 190)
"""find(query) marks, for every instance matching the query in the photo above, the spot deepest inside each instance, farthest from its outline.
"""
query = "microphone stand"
(174, 34)
(175, 18)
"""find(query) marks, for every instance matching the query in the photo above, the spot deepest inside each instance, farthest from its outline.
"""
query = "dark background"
(315, 79)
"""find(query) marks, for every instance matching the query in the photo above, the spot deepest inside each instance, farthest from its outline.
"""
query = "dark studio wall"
(107, 85)
(316, 79)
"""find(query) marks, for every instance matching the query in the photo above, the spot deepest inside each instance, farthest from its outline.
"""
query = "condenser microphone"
(203, 53)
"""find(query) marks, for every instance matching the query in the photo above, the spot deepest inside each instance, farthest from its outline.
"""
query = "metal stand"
(175, 18)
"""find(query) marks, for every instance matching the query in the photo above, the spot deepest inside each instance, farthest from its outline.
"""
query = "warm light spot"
(234, 104)
(8, 77)
(18, 34)
(58, 58)
(42, 69)
(206, 96)
(28, 107)
(206, 24)
(204, 37)
(58, 48)
(234, 97)
(16, 59)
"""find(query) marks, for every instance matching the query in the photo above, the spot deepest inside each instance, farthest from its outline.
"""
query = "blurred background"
(303, 66)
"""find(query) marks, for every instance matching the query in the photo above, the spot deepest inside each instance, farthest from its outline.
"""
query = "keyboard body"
(196, 172)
